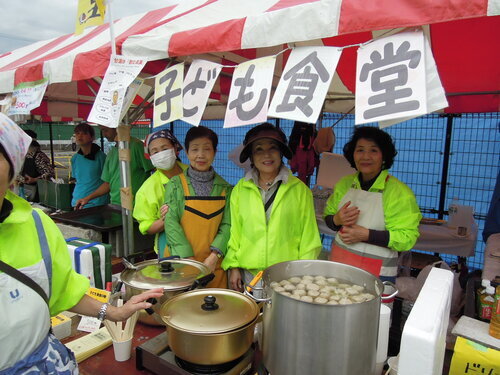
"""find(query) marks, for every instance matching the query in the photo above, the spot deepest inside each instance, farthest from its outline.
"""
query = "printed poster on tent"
(27, 96)
(304, 83)
(108, 104)
(250, 92)
(198, 84)
(168, 95)
(391, 79)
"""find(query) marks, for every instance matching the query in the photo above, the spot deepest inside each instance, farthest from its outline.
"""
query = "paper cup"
(122, 350)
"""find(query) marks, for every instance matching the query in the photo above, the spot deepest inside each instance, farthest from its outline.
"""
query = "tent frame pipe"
(126, 183)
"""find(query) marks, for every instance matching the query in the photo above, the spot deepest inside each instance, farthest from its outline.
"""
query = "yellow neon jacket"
(148, 200)
(401, 212)
(20, 247)
(291, 233)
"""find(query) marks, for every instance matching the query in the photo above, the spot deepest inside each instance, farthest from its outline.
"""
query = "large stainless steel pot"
(307, 338)
(210, 326)
(173, 275)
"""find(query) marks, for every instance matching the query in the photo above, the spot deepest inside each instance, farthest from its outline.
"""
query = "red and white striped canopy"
(464, 35)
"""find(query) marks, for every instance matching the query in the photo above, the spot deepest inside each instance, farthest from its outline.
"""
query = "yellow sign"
(59, 319)
(99, 294)
(90, 13)
(471, 358)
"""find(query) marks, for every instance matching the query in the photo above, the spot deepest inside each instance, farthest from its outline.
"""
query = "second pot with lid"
(210, 326)
(173, 275)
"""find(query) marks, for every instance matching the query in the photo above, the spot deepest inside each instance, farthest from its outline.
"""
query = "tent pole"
(51, 139)
(446, 162)
(126, 188)
(111, 27)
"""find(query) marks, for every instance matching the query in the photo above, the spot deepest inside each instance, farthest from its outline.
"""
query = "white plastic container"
(383, 337)
(423, 342)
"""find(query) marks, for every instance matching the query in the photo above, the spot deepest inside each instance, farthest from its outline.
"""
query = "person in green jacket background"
(375, 214)
(198, 219)
(272, 211)
(140, 168)
(150, 208)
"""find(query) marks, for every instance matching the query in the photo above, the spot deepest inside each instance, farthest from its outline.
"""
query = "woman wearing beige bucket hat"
(272, 212)
(36, 277)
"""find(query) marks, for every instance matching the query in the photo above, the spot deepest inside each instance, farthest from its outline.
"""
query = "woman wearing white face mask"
(149, 209)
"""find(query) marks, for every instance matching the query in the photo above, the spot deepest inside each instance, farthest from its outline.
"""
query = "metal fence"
(438, 158)
(473, 160)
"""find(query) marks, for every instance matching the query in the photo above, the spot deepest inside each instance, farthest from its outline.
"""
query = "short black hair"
(200, 132)
(31, 133)
(11, 169)
(84, 127)
(380, 137)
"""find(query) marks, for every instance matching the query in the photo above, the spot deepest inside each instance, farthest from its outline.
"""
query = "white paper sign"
(89, 324)
(27, 96)
(198, 84)
(121, 72)
(390, 78)
(250, 92)
(436, 97)
(130, 94)
(168, 95)
(304, 83)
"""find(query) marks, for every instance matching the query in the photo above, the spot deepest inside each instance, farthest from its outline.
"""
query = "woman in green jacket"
(197, 222)
(272, 211)
(376, 215)
(149, 209)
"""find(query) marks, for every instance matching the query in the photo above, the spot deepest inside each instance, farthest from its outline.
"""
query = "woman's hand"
(163, 211)
(353, 234)
(346, 215)
(135, 303)
(235, 282)
(211, 261)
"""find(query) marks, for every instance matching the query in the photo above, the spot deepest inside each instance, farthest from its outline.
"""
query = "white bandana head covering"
(14, 141)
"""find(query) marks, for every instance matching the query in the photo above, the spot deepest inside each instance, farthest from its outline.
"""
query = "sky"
(23, 23)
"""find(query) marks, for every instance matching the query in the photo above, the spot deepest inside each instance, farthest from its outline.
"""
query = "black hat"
(265, 130)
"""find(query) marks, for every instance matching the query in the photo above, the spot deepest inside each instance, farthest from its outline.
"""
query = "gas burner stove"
(155, 355)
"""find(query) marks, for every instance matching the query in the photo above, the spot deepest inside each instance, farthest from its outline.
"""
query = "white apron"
(377, 260)
(25, 343)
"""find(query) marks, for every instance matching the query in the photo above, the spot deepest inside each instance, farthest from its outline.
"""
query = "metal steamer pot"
(210, 326)
(306, 338)
(174, 275)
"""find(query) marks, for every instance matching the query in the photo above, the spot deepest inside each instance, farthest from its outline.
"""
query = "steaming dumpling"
(301, 286)
(345, 301)
(299, 292)
(351, 291)
(307, 277)
(332, 280)
(284, 282)
(289, 287)
(332, 302)
(312, 286)
(320, 300)
(295, 280)
(306, 298)
(325, 295)
(279, 289)
(313, 293)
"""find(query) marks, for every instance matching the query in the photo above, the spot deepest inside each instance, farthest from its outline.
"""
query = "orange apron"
(200, 222)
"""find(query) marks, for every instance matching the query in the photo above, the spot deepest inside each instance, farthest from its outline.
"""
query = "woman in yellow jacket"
(376, 215)
(150, 209)
(272, 211)
(36, 278)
